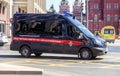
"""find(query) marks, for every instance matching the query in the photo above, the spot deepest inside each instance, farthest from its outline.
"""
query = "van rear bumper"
(14, 47)
(99, 51)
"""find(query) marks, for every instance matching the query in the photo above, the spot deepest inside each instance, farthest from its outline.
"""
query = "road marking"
(65, 63)
(58, 65)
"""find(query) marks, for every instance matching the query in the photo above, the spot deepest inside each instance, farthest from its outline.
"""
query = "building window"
(0, 7)
(3, 10)
(116, 6)
(95, 18)
(108, 6)
(1, 27)
(116, 18)
(96, 6)
(19, 10)
(108, 18)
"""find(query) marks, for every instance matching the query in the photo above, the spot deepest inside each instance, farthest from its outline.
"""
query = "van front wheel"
(25, 51)
(85, 54)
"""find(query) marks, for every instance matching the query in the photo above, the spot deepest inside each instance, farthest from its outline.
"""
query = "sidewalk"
(13, 70)
(117, 43)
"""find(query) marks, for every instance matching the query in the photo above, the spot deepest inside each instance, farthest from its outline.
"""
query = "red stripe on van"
(48, 40)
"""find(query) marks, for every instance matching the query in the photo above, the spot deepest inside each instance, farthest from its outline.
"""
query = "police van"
(54, 33)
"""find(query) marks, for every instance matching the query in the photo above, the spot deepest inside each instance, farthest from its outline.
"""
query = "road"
(68, 65)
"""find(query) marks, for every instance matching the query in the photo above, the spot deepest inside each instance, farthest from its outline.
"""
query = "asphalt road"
(68, 65)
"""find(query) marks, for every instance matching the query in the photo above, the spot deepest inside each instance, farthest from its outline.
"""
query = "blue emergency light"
(69, 14)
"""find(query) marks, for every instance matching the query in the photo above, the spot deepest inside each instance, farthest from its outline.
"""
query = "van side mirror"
(80, 36)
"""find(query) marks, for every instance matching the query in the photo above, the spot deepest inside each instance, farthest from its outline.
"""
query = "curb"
(19, 70)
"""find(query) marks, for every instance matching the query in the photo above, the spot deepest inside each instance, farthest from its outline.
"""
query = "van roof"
(36, 16)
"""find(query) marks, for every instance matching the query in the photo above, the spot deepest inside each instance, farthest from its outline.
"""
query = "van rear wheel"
(85, 54)
(25, 51)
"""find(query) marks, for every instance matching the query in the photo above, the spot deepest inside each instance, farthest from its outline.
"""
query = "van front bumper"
(99, 51)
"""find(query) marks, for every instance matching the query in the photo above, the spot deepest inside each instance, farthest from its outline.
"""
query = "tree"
(51, 10)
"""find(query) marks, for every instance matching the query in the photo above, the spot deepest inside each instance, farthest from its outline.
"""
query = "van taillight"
(11, 39)
(11, 20)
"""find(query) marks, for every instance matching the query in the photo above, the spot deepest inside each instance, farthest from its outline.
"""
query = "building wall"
(105, 11)
(21, 6)
(4, 17)
(29, 6)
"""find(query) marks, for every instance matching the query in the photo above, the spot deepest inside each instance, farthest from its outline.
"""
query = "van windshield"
(81, 27)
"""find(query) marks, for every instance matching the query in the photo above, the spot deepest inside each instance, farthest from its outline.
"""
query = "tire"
(85, 54)
(25, 51)
(38, 54)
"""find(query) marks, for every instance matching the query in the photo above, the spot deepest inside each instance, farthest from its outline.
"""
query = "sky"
(56, 4)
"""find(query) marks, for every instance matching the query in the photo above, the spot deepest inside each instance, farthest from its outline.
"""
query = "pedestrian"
(97, 34)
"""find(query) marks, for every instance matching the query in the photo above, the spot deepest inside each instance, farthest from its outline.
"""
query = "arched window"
(95, 18)
(1, 27)
(95, 6)
(108, 5)
(19, 10)
(116, 18)
(116, 6)
(3, 10)
(108, 18)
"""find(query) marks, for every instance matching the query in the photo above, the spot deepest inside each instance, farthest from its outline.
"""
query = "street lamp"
(81, 10)
(87, 13)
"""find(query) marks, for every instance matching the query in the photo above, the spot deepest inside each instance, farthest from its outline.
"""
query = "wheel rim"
(25, 52)
(85, 54)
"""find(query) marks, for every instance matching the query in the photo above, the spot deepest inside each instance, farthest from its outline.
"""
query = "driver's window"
(72, 31)
(69, 30)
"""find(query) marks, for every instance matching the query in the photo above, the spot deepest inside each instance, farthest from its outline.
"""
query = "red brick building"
(104, 12)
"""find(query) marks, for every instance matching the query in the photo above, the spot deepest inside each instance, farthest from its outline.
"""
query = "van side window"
(57, 29)
(73, 32)
(70, 30)
(53, 28)
(31, 28)
(39, 28)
